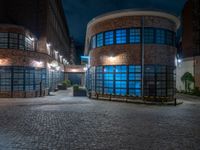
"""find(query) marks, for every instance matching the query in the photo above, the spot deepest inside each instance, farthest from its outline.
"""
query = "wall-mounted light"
(57, 68)
(179, 60)
(85, 68)
(111, 58)
(74, 70)
(48, 45)
(32, 39)
(3, 62)
(38, 64)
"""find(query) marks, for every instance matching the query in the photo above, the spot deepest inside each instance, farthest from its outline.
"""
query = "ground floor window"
(127, 80)
(28, 79)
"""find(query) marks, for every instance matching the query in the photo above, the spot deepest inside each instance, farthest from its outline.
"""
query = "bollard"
(175, 102)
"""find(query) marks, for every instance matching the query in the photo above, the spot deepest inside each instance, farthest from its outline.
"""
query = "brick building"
(132, 54)
(190, 50)
(35, 47)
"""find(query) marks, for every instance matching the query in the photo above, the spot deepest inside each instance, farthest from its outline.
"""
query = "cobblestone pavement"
(63, 122)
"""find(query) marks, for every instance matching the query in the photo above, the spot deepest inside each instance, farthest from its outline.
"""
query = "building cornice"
(134, 12)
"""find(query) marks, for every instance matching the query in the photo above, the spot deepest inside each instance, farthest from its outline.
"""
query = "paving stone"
(65, 122)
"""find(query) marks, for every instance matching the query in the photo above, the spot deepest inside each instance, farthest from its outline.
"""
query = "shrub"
(187, 79)
(76, 87)
(66, 83)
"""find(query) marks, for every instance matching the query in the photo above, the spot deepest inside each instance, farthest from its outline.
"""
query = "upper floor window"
(148, 36)
(93, 42)
(100, 40)
(21, 42)
(16, 41)
(3, 40)
(13, 40)
(170, 39)
(160, 36)
(121, 36)
(109, 38)
(28, 44)
(135, 35)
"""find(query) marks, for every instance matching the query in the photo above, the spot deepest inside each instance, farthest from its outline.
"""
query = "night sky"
(80, 12)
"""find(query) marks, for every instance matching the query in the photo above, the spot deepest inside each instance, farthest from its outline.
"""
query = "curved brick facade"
(25, 71)
(162, 54)
(155, 38)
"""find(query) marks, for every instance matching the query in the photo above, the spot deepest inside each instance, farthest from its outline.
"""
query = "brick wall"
(44, 18)
(131, 54)
(197, 71)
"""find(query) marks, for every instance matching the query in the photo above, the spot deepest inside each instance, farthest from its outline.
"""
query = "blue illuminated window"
(120, 91)
(99, 69)
(93, 42)
(160, 36)
(123, 80)
(108, 76)
(100, 40)
(120, 84)
(135, 92)
(121, 69)
(134, 76)
(109, 38)
(148, 36)
(108, 84)
(120, 76)
(134, 68)
(108, 90)
(135, 84)
(108, 69)
(135, 36)
(121, 36)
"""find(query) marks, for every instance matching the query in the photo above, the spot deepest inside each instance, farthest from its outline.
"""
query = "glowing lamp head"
(85, 69)
(179, 60)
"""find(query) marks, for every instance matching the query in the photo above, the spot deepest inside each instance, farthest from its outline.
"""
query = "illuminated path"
(64, 122)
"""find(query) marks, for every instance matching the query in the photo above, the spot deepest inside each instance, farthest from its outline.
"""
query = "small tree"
(66, 83)
(187, 79)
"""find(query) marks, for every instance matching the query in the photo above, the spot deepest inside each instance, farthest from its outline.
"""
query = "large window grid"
(108, 79)
(170, 38)
(13, 40)
(159, 81)
(135, 80)
(149, 36)
(121, 80)
(93, 42)
(16, 41)
(100, 40)
(21, 42)
(109, 38)
(29, 79)
(99, 79)
(121, 36)
(5, 79)
(29, 45)
(116, 80)
(133, 36)
(126, 80)
(22, 79)
(3, 40)
(160, 36)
